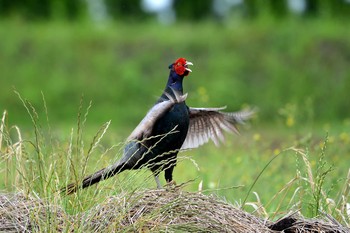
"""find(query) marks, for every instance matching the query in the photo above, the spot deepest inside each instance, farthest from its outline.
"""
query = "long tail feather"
(98, 176)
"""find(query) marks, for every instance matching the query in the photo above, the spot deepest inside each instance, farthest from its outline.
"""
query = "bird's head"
(178, 70)
(180, 67)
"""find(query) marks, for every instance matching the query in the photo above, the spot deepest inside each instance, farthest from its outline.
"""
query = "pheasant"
(169, 127)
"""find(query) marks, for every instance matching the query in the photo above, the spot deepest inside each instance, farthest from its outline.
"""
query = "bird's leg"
(156, 178)
(168, 173)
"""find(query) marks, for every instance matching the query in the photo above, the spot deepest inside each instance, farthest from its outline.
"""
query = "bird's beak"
(187, 64)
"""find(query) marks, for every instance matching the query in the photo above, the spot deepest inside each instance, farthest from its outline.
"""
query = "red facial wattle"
(180, 66)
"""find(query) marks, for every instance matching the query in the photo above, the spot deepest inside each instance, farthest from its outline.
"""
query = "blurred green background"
(288, 58)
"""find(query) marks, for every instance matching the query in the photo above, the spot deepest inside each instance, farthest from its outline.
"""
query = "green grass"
(267, 171)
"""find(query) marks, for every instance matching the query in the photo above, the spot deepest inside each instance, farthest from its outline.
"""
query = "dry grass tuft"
(19, 213)
(151, 211)
(158, 210)
(296, 223)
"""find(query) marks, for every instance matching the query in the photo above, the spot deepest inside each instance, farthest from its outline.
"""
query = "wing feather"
(210, 123)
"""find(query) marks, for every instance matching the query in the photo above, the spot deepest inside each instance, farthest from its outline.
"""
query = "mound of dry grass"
(172, 210)
(296, 223)
(19, 213)
(149, 210)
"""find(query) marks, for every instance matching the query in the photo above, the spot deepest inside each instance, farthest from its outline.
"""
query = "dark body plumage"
(169, 126)
(158, 152)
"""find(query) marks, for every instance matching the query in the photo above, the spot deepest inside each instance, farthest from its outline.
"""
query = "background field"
(296, 71)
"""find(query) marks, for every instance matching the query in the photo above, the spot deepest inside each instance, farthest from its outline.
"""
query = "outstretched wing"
(209, 123)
